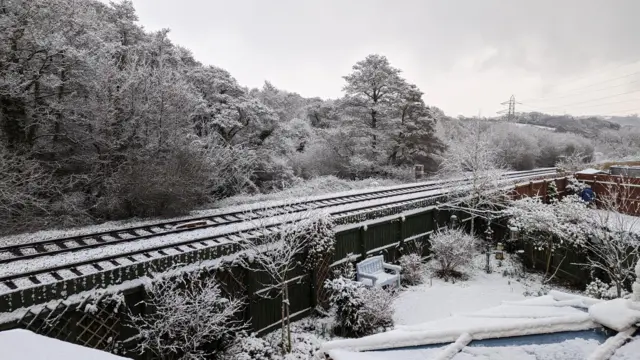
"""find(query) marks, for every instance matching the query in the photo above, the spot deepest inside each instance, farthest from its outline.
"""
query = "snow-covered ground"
(617, 221)
(493, 317)
(436, 299)
(535, 126)
(629, 351)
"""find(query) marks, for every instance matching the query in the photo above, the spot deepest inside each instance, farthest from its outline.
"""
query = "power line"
(615, 68)
(589, 86)
(591, 100)
(637, 110)
(540, 109)
(587, 92)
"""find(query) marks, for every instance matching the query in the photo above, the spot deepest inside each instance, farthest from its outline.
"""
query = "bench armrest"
(367, 276)
(395, 268)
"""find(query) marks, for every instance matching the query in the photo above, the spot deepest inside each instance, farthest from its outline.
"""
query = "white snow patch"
(628, 351)
(24, 345)
(448, 331)
(437, 299)
(454, 348)
(582, 301)
(413, 354)
(615, 314)
(591, 171)
(574, 349)
(485, 306)
(606, 350)
(617, 221)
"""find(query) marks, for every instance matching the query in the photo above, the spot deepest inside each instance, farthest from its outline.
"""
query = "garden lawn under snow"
(436, 299)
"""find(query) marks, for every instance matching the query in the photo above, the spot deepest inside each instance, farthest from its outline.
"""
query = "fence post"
(249, 283)
(544, 190)
(361, 243)
(313, 279)
(434, 220)
(400, 236)
(531, 194)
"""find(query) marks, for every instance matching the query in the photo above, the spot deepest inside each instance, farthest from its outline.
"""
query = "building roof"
(554, 326)
(21, 344)
(591, 171)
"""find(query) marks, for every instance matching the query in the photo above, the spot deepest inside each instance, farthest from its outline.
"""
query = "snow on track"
(42, 263)
(117, 225)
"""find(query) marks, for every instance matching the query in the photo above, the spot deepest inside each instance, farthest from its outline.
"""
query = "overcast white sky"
(466, 55)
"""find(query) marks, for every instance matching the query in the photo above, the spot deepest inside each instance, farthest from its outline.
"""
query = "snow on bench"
(371, 272)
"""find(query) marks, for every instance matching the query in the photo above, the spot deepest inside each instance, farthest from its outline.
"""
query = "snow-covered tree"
(278, 251)
(473, 159)
(21, 179)
(613, 246)
(388, 116)
(414, 140)
(371, 91)
(572, 162)
(549, 227)
(186, 313)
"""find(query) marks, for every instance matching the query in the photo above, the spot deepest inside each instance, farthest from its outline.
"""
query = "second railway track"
(32, 250)
(48, 249)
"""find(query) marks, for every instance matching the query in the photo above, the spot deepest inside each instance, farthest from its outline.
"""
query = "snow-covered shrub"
(321, 242)
(600, 290)
(451, 249)
(574, 187)
(548, 227)
(251, 348)
(378, 309)
(412, 269)
(305, 347)
(188, 314)
(552, 191)
(596, 289)
(152, 184)
(360, 310)
(346, 270)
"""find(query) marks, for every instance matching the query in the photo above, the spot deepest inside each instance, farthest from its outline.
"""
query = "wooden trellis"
(91, 323)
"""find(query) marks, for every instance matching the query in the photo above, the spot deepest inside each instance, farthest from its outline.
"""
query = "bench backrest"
(371, 265)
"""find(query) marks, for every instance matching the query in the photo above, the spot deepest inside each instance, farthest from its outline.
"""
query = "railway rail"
(33, 263)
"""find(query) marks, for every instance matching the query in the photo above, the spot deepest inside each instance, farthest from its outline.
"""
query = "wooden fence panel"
(379, 236)
(347, 242)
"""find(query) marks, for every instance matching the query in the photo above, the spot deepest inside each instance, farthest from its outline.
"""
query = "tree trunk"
(288, 315)
(283, 322)
(374, 125)
(549, 255)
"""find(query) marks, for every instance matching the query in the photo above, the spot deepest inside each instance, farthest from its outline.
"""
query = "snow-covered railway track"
(41, 248)
(47, 261)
